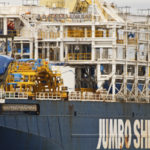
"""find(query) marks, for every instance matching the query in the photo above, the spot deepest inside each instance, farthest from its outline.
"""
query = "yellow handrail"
(46, 35)
(79, 56)
(99, 33)
(76, 33)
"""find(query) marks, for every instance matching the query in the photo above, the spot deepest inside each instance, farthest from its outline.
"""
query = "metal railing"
(79, 56)
(72, 96)
(48, 96)
(80, 33)
(99, 33)
(76, 33)
(47, 35)
(64, 17)
(102, 96)
(88, 96)
(15, 95)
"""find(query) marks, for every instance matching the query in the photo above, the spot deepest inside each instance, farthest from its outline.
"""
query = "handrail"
(48, 96)
(79, 33)
(15, 95)
(86, 96)
(99, 33)
(79, 56)
(76, 33)
(101, 96)
(51, 35)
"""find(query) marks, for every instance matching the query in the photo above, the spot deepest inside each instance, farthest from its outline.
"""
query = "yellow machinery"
(82, 6)
(106, 11)
(32, 77)
(73, 5)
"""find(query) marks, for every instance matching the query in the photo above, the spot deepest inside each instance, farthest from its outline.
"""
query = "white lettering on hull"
(117, 134)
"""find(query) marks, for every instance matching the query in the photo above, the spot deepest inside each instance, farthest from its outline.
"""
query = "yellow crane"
(82, 6)
(106, 11)
(73, 5)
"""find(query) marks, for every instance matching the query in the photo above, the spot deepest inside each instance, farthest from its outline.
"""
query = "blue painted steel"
(9, 46)
(64, 125)
(25, 60)
(4, 63)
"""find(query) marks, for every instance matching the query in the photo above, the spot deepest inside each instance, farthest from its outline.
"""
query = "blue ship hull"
(72, 125)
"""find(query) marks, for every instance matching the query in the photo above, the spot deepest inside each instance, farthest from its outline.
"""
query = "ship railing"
(132, 99)
(15, 95)
(46, 35)
(88, 96)
(48, 96)
(63, 17)
(79, 56)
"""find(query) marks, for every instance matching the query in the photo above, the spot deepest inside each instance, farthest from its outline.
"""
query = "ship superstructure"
(109, 50)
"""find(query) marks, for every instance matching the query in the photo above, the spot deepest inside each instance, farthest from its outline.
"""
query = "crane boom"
(103, 9)
(73, 5)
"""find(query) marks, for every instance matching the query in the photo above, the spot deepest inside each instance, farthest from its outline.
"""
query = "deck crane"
(106, 11)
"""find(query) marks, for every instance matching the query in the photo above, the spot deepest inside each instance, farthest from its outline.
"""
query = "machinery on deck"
(74, 5)
(105, 11)
(80, 6)
(32, 77)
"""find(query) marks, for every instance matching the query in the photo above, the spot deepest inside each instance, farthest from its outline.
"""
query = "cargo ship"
(74, 75)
